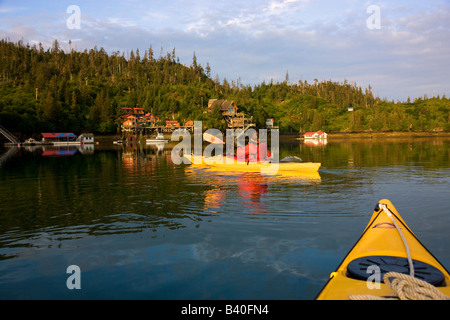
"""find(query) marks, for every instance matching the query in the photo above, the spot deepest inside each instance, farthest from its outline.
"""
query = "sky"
(400, 48)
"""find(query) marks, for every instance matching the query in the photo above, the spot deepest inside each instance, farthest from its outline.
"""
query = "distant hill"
(52, 90)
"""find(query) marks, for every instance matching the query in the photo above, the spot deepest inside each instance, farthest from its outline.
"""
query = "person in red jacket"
(254, 151)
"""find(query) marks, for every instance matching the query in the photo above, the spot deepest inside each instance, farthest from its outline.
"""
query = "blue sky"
(258, 40)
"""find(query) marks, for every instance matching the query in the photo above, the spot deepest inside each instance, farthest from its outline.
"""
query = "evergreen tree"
(48, 89)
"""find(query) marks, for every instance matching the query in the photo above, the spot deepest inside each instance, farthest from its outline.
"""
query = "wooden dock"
(13, 141)
(155, 129)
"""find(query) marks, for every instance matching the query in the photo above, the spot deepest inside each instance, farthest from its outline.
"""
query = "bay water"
(140, 227)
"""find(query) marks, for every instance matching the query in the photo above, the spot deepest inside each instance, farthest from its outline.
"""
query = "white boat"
(159, 139)
(31, 142)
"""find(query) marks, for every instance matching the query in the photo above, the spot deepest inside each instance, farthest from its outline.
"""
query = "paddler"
(254, 151)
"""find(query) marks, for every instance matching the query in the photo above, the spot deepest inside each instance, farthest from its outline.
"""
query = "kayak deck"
(381, 248)
(231, 164)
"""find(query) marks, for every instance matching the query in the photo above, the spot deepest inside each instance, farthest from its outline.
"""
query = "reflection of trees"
(95, 194)
(8, 154)
(430, 153)
(125, 191)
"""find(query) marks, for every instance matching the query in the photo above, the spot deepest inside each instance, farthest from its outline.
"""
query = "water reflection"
(7, 155)
(114, 191)
(250, 189)
(249, 193)
(428, 152)
(128, 213)
(47, 151)
(315, 142)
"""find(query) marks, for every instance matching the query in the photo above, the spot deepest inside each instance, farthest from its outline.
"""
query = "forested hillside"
(52, 90)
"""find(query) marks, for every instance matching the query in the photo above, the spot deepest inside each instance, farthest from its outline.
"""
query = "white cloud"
(258, 40)
(277, 6)
(9, 10)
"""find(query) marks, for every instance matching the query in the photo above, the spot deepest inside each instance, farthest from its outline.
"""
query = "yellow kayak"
(222, 163)
(388, 261)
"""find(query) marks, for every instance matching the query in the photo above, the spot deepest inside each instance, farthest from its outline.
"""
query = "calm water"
(140, 227)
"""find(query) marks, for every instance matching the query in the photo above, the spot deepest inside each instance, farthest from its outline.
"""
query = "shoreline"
(293, 137)
(382, 135)
(370, 135)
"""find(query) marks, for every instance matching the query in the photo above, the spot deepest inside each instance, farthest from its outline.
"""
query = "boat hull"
(220, 163)
(381, 239)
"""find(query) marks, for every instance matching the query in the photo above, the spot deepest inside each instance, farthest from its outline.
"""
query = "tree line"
(53, 90)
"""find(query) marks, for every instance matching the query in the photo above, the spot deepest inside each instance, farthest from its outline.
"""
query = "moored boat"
(158, 139)
(386, 259)
(31, 142)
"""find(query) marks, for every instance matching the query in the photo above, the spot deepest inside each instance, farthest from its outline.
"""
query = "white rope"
(410, 288)
(410, 262)
(406, 288)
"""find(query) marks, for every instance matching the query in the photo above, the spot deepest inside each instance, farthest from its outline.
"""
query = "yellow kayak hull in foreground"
(220, 163)
(382, 240)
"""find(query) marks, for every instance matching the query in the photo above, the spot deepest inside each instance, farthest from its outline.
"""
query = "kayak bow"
(387, 246)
